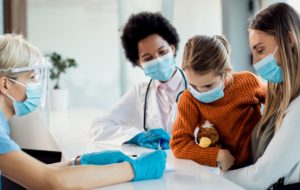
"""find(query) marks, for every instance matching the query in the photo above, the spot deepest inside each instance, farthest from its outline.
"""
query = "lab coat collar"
(172, 84)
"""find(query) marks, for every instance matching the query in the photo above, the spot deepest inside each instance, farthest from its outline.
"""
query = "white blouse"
(280, 159)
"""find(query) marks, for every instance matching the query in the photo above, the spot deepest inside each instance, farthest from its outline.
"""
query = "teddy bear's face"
(210, 133)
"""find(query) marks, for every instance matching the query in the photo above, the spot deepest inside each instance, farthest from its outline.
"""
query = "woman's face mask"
(265, 55)
(32, 101)
(268, 68)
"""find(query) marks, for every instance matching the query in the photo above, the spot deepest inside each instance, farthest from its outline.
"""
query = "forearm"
(88, 177)
(61, 164)
(188, 149)
(33, 174)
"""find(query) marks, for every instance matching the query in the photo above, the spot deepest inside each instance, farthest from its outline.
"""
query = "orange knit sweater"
(234, 116)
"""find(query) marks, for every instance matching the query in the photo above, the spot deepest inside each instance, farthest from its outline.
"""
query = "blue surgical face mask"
(268, 69)
(161, 68)
(33, 96)
(208, 96)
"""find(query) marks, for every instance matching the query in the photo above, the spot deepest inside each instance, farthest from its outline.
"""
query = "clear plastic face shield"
(41, 76)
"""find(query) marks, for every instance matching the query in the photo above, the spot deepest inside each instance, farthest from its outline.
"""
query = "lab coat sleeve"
(122, 122)
(280, 157)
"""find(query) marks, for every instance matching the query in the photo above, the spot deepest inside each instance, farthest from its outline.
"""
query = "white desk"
(69, 130)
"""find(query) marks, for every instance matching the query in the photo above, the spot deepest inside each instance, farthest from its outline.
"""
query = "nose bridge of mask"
(150, 65)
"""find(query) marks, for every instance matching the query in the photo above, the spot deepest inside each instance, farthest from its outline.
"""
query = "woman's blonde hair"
(16, 52)
(281, 21)
(204, 54)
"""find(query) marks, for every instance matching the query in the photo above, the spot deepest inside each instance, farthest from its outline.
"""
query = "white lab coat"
(125, 119)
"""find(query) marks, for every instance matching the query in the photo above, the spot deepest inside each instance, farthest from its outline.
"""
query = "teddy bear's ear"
(207, 124)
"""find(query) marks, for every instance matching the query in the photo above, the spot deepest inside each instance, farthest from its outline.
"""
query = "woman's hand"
(225, 159)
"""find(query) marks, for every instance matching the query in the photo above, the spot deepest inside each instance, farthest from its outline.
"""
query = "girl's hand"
(225, 159)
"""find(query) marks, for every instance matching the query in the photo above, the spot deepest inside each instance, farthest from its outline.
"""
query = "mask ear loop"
(9, 96)
(222, 82)
(13, 80)
(17, 82)
(275, 51)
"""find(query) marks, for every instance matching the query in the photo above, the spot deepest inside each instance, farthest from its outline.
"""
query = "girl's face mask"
(209, 96)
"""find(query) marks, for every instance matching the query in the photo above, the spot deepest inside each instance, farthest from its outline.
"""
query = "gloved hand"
(156, 135)
(103, 158)
(149, 166)
(152, 138)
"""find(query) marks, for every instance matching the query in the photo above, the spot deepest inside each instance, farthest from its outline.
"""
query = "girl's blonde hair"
(281, 21)
(204, 54)
(16, 52)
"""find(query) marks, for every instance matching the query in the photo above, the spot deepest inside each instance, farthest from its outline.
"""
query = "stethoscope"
(147, 91)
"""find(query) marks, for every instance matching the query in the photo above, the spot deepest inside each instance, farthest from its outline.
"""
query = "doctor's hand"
(156, 135)
(103, 158)
(153, 138)
(149, 166)
(225, 159)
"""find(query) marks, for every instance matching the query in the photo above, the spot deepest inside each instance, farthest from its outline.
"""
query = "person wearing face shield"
(230, 101)
(274, 38)
(23, 77)
(145, 114)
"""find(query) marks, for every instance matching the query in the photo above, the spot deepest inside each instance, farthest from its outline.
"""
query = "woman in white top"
(274, 35)
(144, 115)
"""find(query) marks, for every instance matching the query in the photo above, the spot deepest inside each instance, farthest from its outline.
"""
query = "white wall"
(191, 18)
(88, 30)
(235, 26)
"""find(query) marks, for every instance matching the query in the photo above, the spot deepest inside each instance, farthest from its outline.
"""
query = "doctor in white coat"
(144, 115)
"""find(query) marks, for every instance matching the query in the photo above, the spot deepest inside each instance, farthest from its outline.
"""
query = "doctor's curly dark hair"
(142, 25)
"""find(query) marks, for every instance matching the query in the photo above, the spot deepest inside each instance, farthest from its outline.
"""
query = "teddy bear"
(207, 136)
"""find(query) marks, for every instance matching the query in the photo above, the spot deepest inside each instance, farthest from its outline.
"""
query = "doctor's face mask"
(156, 58)
(161, 68)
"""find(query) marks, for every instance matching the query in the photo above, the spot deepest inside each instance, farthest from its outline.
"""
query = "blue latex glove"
(156, 135)
(103, 158)
(152, 139)
(149, 166)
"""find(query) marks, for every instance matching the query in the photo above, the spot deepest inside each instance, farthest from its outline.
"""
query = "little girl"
(230, 102)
